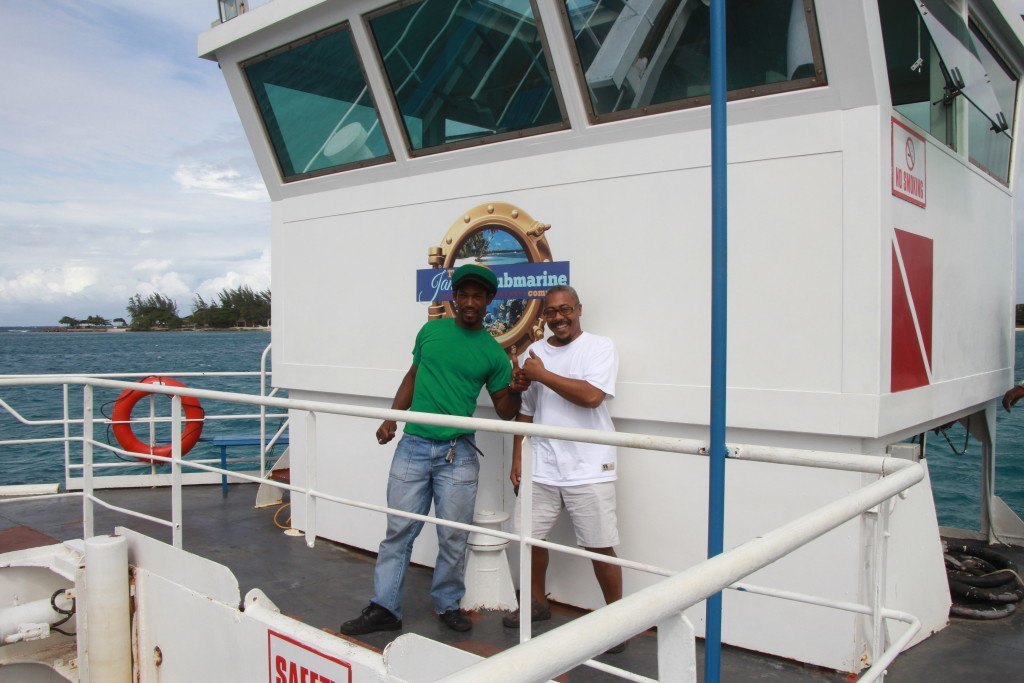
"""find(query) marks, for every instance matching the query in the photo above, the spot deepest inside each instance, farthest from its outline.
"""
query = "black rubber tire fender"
(976, 593)
(982, 611)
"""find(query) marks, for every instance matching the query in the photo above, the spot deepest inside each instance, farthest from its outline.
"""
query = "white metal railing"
(661, 604)
(268, 440)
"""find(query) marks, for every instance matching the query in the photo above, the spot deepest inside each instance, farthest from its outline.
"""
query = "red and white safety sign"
(909, 180)
(289, 661)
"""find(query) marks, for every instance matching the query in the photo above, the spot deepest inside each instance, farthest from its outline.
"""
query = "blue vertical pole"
(719, 308)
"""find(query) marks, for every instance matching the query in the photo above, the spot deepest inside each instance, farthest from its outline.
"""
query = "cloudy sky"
(124, 168)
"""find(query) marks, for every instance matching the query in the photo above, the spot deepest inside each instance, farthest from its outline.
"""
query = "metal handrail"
(67, 421)
(564, 647)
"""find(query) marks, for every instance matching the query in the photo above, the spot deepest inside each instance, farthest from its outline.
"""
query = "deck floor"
(331, 583)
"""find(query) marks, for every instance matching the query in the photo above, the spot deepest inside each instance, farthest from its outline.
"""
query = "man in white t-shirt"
(572, 374)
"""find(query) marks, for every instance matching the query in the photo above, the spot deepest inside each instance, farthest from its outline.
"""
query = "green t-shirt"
(451, 366)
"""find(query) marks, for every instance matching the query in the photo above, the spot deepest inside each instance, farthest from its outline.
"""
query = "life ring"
(121, 417)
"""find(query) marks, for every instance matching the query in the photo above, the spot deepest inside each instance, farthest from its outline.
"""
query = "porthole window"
(316, 107)
(501, 237)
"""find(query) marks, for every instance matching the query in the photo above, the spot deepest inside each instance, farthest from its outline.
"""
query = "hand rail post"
(175, 470)
(879, 559)
(152, 430)
(66, 418)
(677, 650)
(263, 412)
(311, 448)
(88, 522)
(525, 549)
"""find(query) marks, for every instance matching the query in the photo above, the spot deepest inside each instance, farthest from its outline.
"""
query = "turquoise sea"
(30, 351)
(956, 481)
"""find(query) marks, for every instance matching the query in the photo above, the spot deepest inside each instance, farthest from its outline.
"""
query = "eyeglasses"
(550, 313)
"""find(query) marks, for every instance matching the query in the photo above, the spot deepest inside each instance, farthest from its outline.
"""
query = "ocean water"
(955, 478)
(28, 351)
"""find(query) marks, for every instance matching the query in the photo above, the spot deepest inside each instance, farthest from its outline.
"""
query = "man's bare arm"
(506, 402)
(403, 399)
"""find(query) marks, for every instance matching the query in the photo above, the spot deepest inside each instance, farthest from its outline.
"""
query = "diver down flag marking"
(912, 274)
(289, 661)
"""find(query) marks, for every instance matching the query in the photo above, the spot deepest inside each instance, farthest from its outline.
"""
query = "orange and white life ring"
(121, 417)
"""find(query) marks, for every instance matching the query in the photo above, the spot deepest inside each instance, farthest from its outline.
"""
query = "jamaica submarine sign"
(515, 281)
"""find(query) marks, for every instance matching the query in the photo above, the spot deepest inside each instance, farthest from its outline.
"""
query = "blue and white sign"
(515, 281)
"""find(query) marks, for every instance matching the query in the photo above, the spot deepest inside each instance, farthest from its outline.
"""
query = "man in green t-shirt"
(452, 359)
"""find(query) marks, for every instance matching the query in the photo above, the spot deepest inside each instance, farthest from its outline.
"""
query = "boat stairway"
(268, 494)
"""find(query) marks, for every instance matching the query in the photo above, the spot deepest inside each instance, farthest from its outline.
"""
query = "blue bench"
(225, 442)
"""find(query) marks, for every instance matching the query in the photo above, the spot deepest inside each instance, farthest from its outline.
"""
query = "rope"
(288, 521)
(944, 430)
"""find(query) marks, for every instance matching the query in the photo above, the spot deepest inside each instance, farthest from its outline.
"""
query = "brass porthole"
(496, 234)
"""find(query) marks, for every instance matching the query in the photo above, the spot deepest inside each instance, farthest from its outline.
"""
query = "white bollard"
(488, 579)
(108, 622)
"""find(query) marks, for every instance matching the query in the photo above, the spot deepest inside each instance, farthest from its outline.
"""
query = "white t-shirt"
(571, 463)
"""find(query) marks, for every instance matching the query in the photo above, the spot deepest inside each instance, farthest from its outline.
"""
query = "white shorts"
(591, 508)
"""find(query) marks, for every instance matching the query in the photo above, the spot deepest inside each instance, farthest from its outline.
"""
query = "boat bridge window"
(465, 72)
(933, 59)
(644, 56)
(987, 145)
(315, 105)
(918, 80)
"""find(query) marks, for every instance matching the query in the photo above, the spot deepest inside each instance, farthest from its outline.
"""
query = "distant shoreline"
(125, 329)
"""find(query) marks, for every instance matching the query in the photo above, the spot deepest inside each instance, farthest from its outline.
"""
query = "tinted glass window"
(958, 51)
(989, 147)
(315, 105)
(918, 79)
(465, 70)
(639, 53)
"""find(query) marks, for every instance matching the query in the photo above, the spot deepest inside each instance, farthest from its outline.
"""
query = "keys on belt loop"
(450, 458)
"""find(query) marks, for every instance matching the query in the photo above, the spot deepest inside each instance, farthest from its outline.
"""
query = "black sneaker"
(538, 612)
(456, 620)
(374, 618)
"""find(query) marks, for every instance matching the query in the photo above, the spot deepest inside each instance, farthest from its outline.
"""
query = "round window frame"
(529, 232)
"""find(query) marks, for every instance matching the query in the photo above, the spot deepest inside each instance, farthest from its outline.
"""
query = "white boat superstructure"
(871, 281)
(870, 246)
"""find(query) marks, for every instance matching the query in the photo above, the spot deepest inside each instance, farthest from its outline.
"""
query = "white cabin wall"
(811, 219)
(617, 230)
(789, 341)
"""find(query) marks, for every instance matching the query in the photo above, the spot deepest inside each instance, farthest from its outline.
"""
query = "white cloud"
(49, 285)
(252, 274)
(169, 284)
(125, 170)
(152, 264)
(222, 182)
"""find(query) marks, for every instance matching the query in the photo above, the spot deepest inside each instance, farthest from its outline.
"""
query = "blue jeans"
(420, 473)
